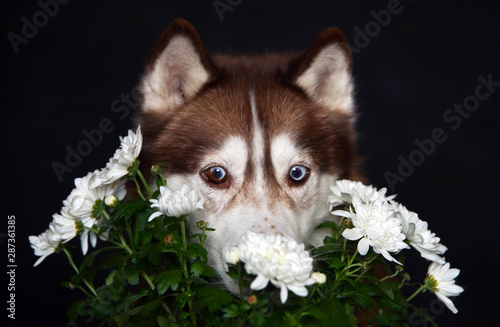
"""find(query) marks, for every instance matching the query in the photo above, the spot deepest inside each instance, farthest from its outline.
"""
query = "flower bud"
(347, 223)
(169, 239)
(157, 169)
(252, 299)
(111, 201)
(406, 276)
(232, 256)
(320, 278)
(202, 225)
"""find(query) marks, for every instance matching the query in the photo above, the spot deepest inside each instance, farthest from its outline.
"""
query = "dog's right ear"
(176, 68)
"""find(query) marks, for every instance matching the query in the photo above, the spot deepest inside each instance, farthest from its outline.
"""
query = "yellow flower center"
(79, 227)
(432, 283)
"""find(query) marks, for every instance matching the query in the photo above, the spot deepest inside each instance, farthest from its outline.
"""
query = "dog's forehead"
(257, 111)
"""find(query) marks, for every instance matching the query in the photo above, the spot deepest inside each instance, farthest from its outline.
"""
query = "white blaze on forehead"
(234, 155)
(284, 153)
(257, 143)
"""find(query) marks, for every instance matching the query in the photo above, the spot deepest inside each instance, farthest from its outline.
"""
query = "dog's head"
(260, 138)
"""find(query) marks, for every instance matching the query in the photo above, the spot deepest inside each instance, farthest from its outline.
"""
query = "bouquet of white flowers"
(156, 273)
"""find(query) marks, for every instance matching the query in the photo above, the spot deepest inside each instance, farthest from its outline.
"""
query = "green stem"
(420, 289)
(125, 245)
(122, 245)
(148, 279)
(351, 260)
(306, 301)
(146, 185)
(390, 276)
(138, 188)
(72, 263)
(344, 247)
(184, 268)
(130, 236)
(105, 213)
(345, 271)
(239, 284)
(341, 229)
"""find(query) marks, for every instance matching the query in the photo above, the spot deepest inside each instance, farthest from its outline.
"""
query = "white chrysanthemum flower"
(79, 208)
(67, 227)
(345, 190)
(375, 226)
(441, 280)
(419, 235)
(124, 158)
(176, 203)
(45, 244)
(278, 260)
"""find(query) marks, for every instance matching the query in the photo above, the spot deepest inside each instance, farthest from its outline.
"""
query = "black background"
(425, 60)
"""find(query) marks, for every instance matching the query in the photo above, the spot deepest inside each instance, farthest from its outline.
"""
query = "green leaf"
(184, 315)
(200, 251)
(111, 277)
(146, 236)
(90, 257)
(339, 317)
(163, 321)
(336, 263)
(76, 309)
(132, 275)
(168, 279)
(231, 311)
(199, 268)
(127, 209)
(213, 298)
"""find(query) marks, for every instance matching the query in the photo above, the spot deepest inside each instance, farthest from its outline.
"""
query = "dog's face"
(259, 138)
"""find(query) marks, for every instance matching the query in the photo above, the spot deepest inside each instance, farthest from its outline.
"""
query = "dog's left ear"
(323, 71)
(176, 68)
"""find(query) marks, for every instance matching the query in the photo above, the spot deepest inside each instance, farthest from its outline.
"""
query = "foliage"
(156, 274)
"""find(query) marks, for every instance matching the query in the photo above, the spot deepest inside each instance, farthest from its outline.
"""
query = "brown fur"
(221, 108)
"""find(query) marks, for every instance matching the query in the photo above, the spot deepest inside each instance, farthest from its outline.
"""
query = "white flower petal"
(363, 246)
(284, 293)
(259, 283)
(299, 290)
(449, 304)
(154, 215)
(342, 213)
(353, 234)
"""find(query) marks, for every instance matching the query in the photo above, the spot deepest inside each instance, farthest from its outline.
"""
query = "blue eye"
(299, 173)
(216, 175)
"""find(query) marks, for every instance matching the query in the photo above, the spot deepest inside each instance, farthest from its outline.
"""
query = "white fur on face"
(257, 146)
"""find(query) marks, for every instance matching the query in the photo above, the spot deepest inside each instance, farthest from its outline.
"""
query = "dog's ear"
(176, 68)
(323, 71)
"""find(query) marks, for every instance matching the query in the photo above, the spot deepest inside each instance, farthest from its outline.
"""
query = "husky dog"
(259, 137)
